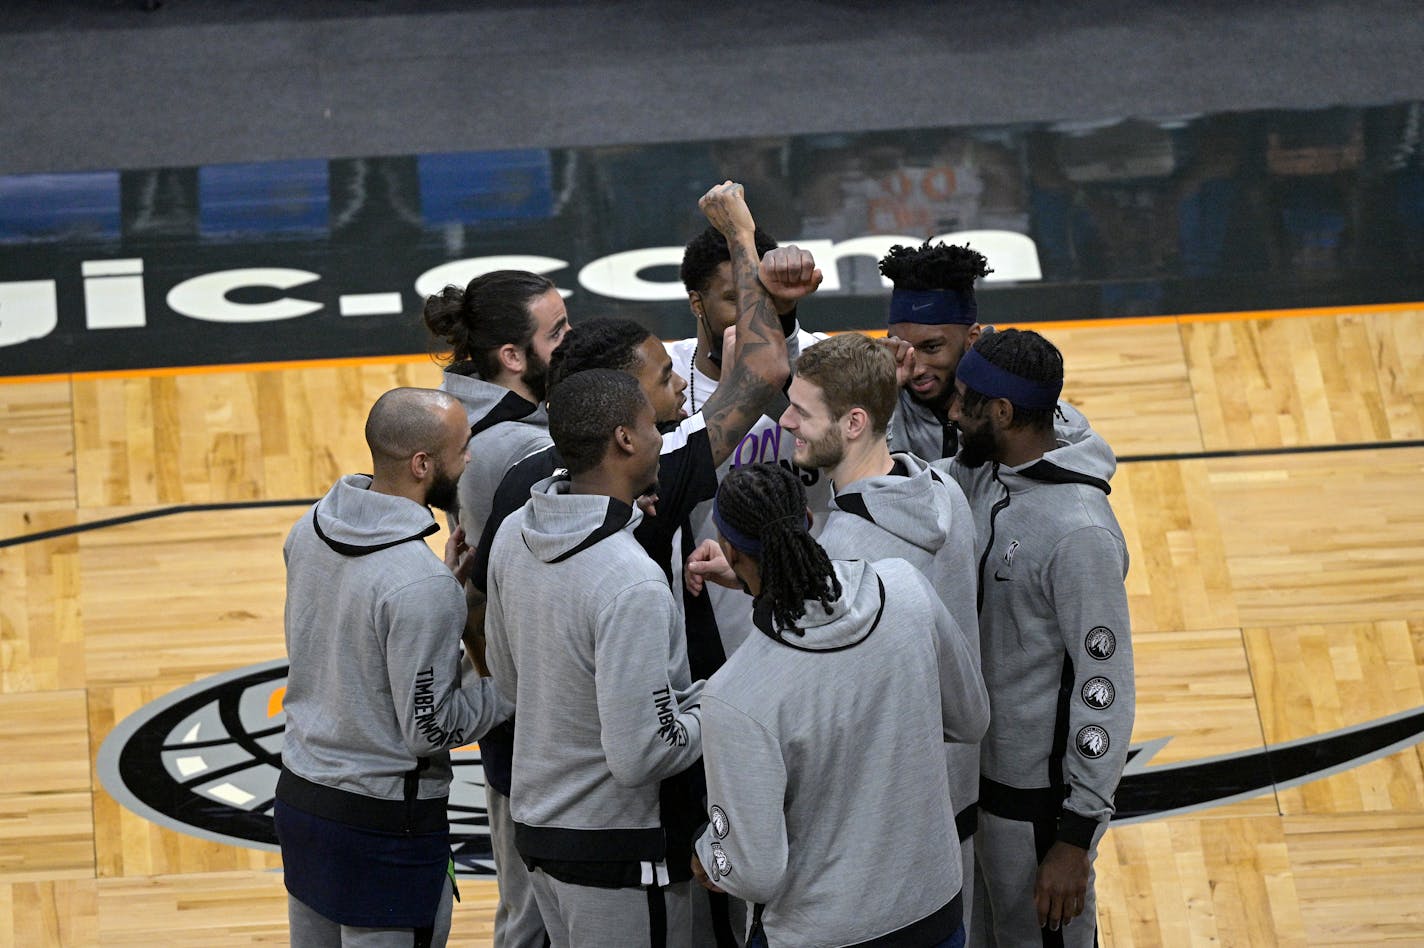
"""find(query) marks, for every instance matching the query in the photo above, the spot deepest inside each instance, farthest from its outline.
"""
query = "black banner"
(315, 259)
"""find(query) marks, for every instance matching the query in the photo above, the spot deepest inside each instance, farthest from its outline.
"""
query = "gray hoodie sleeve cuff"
(1077, 830)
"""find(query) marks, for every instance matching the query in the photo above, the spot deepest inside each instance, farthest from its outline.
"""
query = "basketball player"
(885, 505)
(829, 804)
(501, 330)
(583, 632)
(933, 308)
(1055, 639)
(375, 695)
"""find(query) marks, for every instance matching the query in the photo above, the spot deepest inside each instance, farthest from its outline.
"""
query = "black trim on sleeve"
(1077, 829)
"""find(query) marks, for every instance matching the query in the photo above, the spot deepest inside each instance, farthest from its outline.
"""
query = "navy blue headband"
(986, 378)
(740, 540)
(932, 307)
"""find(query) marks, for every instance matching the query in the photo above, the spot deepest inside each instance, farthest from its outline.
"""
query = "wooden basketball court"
(1276, 596)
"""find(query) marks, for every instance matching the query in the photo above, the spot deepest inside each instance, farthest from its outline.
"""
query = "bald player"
(376, 695)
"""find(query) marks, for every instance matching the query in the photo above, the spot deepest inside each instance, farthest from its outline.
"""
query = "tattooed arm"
(754, 383)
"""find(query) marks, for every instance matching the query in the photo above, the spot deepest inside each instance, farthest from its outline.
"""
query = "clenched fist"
(789, 273)
(726, 208)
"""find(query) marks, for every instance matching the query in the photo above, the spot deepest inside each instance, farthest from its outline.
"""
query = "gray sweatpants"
(517, 923)
(582, 916)
(1007, 854)
(311, 929)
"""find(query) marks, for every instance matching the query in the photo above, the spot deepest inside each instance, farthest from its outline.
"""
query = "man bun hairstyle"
(707, 250)
(490, 312)
(1028, 355)
(767, 502)
(584, 411)
(603, 343)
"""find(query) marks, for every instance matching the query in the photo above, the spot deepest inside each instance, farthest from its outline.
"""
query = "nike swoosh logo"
(1150, 794)
(1003, 579)
(916, 309)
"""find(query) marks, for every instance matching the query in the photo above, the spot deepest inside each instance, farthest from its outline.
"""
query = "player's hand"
(1062, 885)
(726, 208)
(458, 556)
(707, 564)
(700, 875)
(904, 358)
(789, 274)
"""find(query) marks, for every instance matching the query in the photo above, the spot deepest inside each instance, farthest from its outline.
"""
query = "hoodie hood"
(354, 520)
(852, 618)
(1082, 457)
(897, 503)
(558, 524)
(487, 404)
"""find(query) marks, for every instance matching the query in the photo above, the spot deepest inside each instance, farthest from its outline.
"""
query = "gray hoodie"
(373, 623)
(915, 429)
(583, 633)
(918, 515)
(505, 429)
(828, 799)
(1055, 638)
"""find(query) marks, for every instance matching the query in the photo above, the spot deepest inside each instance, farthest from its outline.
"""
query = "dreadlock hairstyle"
(767, 502)
(1028, 355)
(490, 312)
(602, 343)
(938, 267)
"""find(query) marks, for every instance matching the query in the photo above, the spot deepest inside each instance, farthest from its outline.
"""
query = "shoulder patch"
(1098, 693)
(1093, 741)
(1100, 643)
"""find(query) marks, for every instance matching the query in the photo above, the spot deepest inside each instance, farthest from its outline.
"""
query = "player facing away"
(1056, 647)
(500, 329)
(376, 695)
(823, 736)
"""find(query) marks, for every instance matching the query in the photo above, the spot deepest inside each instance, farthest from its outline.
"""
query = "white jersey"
(766, 441)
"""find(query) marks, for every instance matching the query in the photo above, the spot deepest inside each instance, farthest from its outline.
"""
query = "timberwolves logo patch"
(721, 865)
(204, 761)
(1100, 643)
(1098, 693)
(719, 822)
(1092, 741)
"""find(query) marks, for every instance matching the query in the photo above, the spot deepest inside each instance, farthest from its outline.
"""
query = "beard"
(977, 447)
(443, 492)
(825, 453)
(535, 375)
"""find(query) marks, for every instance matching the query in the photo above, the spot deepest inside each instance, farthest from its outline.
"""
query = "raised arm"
(761, 366)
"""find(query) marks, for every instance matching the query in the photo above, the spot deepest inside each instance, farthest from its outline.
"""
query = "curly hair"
(603, 343)
(934, 267)
(707, 250)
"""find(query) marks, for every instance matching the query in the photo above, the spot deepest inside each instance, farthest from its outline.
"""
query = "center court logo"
(204, 761)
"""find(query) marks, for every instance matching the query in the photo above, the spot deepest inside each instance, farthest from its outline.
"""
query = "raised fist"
(726, 208)
(789, 273)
